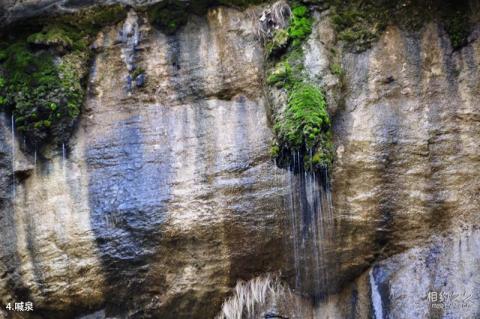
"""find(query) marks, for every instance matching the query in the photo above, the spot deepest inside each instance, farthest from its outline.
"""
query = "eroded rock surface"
(407, 151)
(167, 189)
(167, 194)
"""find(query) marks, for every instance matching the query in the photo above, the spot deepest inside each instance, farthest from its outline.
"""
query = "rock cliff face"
(166, 189)
(166, 196)
(13, 10)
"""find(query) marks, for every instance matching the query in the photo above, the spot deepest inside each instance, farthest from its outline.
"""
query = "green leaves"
(300, 25)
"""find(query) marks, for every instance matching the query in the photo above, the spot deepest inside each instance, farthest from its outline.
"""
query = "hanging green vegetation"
(305, 118)
(45, 97)
(300, 25)
(456, 19)
(42, 72)
(304, 126)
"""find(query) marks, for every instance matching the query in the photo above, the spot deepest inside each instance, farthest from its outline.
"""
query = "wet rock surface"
(167, 196)
(407, 157)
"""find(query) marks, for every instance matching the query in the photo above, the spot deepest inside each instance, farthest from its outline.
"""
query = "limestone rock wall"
(407, 151)
(167, 188)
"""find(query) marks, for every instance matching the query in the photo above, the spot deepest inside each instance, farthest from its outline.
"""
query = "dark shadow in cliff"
(128, 190)
(186, 69)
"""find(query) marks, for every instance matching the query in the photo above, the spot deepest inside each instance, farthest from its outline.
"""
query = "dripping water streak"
(63, 156)
(376, 297)
(314, 223)
(13, 160)
(294, 229)
(311, 216)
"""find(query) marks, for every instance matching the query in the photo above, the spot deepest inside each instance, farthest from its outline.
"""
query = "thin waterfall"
(311, 222)
(64, 157)
(13, 160)
(291, 204)
(376, 297)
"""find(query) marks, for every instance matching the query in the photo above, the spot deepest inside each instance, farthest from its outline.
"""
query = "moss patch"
(278, 43)
(45, 97)
(360, 22)
(52, 35)
(43, 68)
(281, 75)
(456, 19)
(304, 126)
(305, 118)
(169, 16)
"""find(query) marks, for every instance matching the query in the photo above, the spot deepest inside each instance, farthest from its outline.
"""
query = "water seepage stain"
(128, 191)
(311, 220)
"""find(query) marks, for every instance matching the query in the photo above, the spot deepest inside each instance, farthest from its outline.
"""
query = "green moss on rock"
(304, 125)
(43, 70)
(456, 19)
(274, 150)
(44, 97)
(278, 43)
(305, 119)
(360, 22)
(305, 128)
(52, 35)
(169, 16)
(281, 75)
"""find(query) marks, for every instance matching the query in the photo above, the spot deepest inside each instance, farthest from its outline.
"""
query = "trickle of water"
(311, 221)
(13, 159)
(291, 208)
(64, 155)
(376, 297)
(275, 172)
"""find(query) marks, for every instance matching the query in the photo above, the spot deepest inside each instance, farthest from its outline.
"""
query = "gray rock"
(168, 196)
